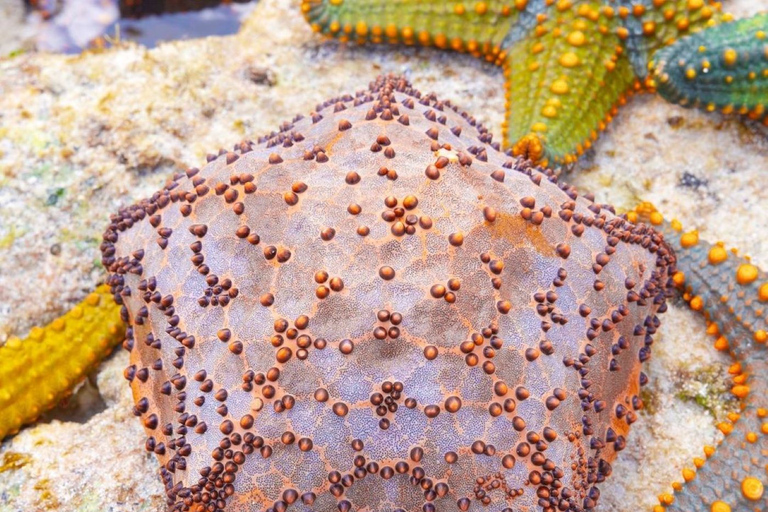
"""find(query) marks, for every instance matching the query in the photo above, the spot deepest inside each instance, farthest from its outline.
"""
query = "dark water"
(79, 23)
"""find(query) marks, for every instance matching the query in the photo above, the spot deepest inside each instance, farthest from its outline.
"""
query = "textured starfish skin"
(376, 309)
(732, 294)
(723, 68)
(568, 64)
(39, 371)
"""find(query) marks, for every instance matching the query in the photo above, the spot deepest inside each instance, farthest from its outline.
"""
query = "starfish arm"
(731, 477)
(723, 68)
(564, 83)
(648, 25)
(38, 372)
(732, 294)
(476, 27)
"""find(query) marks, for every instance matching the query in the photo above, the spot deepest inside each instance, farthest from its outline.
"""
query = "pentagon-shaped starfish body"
(39, 371)
(376, 309)
(732, 294)
(568, 64)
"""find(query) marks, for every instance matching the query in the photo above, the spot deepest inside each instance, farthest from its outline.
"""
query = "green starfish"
(569, 64)
(724, 68)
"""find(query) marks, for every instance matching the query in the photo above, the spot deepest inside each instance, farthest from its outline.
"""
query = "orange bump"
(696, 303)
(740, 391)
(762, 293)
(720, 506)
(752, 488)
(649, 28)
(721, 343)
(725, 428)
(689, 239)
(569, 60)
(746, 273)
(576, 38)
(717, 255)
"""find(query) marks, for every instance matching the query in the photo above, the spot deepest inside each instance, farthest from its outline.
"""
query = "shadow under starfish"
(570, 64)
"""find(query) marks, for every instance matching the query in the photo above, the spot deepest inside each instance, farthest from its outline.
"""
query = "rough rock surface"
(80, 136)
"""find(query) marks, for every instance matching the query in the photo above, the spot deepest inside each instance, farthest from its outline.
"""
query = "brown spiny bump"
(467, 362)
(732, 294)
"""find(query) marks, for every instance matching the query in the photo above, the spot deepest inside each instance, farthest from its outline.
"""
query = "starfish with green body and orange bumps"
(570, 64)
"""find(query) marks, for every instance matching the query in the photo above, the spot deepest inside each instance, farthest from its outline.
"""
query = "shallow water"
(79, 23)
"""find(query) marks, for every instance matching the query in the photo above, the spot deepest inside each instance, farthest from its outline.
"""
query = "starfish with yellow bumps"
(569, 64)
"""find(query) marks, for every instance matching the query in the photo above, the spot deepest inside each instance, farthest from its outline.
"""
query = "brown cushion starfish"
(376, 309)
